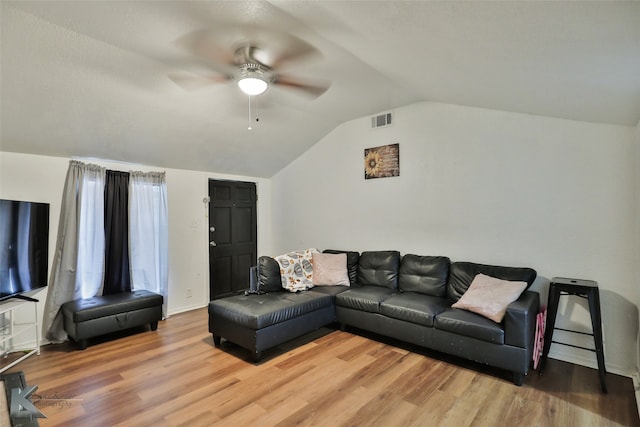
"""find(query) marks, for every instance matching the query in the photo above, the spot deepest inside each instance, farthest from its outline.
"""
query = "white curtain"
(78, 261)
(148, 233)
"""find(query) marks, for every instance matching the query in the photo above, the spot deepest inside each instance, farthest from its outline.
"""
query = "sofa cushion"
(269, 275)
(365, 298)
(465, 323)
(353, 259)
(296, 270)
(489, 297)
(260, 311)
(413, 307)
(379, 268)
(330, 270)
(462, 274)
(330, 290)
(424, 274)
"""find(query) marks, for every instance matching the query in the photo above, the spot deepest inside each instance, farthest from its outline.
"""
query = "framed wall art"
(382, 162)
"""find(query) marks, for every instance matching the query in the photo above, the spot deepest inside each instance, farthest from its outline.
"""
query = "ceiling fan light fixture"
(252, 85)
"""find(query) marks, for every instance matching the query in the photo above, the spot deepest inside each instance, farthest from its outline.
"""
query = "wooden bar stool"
(588, 289)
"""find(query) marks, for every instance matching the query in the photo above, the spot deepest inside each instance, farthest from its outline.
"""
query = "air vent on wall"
(381, 120)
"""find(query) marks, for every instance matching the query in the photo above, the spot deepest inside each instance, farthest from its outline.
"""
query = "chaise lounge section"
(408, 298)
(273, 316)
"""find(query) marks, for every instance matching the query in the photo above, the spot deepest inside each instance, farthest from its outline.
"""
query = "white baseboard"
(590, 362)
(185, 309)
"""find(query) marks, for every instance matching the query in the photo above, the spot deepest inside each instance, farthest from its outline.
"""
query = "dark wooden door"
(232, 236)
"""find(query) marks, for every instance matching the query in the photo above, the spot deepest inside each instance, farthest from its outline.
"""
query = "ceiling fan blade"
(311, 88)
(203, 44)
(190, 81)
(271, 48)
(279, 50)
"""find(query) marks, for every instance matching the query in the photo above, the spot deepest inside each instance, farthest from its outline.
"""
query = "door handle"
(212, 243)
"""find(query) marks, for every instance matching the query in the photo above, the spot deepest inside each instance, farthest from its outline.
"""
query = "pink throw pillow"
(490, 297)
(330, 270)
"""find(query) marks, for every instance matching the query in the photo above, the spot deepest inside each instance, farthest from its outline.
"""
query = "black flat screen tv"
(24, 247)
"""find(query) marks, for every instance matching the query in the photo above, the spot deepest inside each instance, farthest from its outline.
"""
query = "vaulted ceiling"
(91, 79)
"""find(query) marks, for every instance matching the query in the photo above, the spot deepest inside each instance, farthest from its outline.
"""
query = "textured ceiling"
(90, 79)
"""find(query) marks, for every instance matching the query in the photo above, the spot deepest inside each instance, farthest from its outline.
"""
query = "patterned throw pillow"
(296, 270)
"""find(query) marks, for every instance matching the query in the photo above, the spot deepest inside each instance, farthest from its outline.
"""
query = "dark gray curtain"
(117, 277)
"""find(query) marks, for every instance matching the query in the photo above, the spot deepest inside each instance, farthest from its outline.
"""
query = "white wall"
(637, 258)
(484, 186)
(41, 178)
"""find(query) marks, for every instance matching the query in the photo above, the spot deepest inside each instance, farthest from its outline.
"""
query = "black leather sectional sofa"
(407, 298)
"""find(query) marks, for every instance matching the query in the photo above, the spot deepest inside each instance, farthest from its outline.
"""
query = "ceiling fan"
(253, 57)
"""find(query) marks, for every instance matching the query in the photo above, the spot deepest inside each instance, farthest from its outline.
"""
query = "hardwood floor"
(175, 376)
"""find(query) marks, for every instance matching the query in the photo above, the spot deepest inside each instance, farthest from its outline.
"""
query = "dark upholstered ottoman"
(259, 322)
(100, 315)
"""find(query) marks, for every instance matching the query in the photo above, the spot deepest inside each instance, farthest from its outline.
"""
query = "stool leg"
(596, 324)
(552, 311)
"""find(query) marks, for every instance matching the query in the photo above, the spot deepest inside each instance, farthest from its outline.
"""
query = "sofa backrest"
(462, 274)
(424, 274)
(269, 275)
(352, 264)
(379, 268)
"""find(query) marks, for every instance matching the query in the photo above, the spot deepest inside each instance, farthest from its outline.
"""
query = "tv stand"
(9, 329)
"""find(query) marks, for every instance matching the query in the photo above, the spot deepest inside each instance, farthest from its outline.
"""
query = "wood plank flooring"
(175, 376)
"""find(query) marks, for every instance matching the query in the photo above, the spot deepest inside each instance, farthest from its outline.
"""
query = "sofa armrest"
(269, 275)
(520, 320)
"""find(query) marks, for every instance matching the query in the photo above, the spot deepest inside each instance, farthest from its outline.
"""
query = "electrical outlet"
(189, 294)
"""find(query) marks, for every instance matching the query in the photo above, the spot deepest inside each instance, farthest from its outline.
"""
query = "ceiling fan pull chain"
(249, 113)
(255, 107)
(250, 117)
